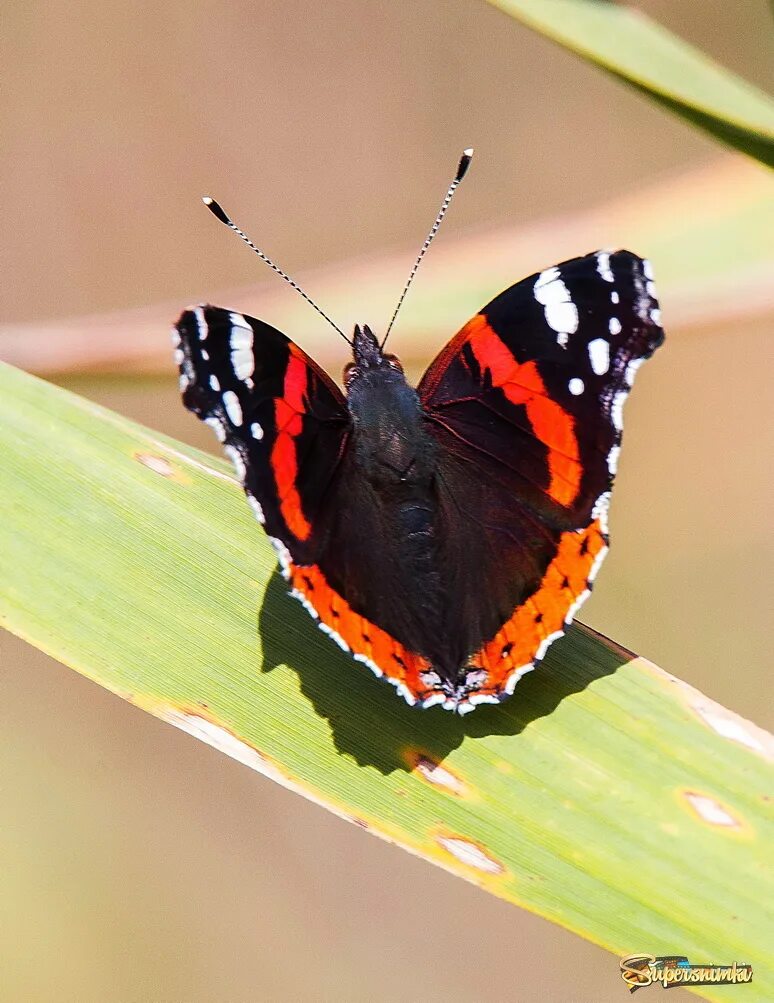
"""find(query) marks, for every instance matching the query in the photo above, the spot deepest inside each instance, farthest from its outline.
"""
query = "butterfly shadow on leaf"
(373, 725)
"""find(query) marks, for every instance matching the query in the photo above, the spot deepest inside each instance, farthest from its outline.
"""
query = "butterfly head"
(368, 358)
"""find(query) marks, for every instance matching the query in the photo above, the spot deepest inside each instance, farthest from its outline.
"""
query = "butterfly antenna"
(462, 169)
(217, 210)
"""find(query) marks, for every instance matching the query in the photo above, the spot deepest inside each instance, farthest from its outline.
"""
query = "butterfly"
(444, 535)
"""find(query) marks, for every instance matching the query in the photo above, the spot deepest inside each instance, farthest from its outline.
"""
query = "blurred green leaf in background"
(630, 46)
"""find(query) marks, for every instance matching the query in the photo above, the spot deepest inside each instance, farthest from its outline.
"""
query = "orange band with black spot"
(361, 636)
(518, 641)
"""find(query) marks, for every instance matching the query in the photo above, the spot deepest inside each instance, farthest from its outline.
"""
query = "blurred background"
(138, 864)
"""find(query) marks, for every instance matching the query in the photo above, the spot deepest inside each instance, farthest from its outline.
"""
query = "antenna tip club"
(216, 209)
(465, 159)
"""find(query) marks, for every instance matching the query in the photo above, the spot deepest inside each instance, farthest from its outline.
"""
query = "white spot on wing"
(371, 665)
(333, 636)
(581, 599)
(283, 554)
(545, 278)
(256, 430)
(600, 510)
(516, 675)
(576, 386)
(616, 410)
(562, 317)
(201, 323)
(614, 297)
(599, 356)
(236, 458)
(600, 556)
(237, 320)
(214, 382)
(612, 459)
(603, 266)
(473, 699)
(546, 643)
(631, 370)
(560, 312)
(233, 407)
(241, 345)
(255, 505)
(217, 426)
(614, 325)
(305, 603)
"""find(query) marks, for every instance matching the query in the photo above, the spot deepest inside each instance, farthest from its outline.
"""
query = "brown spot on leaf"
(433, 772)
(202, 723)
(710, 810)
(470, 853)
(158, 464)
(722, 721)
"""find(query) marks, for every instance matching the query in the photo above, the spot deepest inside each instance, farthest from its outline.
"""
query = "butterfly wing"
(525, 404)
(281, 419)
(286, 427)
(524, 407)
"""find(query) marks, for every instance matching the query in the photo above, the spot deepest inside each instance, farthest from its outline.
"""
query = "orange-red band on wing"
(519, 641)
(289, 410)
(364, 639)
(521, 384)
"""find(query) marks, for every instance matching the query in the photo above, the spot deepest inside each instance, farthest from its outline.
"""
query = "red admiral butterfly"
(444, 535)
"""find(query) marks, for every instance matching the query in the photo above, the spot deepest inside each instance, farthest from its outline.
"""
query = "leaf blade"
(143, 570)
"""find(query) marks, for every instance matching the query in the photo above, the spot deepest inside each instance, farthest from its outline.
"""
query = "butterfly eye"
(393, 362)
(350, 372)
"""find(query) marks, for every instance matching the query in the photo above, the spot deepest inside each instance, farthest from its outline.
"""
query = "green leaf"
(641, 52)
(605, 795)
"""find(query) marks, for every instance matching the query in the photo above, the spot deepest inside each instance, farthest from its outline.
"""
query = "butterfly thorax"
(396, 457)
(391, 442)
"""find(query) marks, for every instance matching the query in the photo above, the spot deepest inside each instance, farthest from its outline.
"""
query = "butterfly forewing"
(281, 419)
(537, 380)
